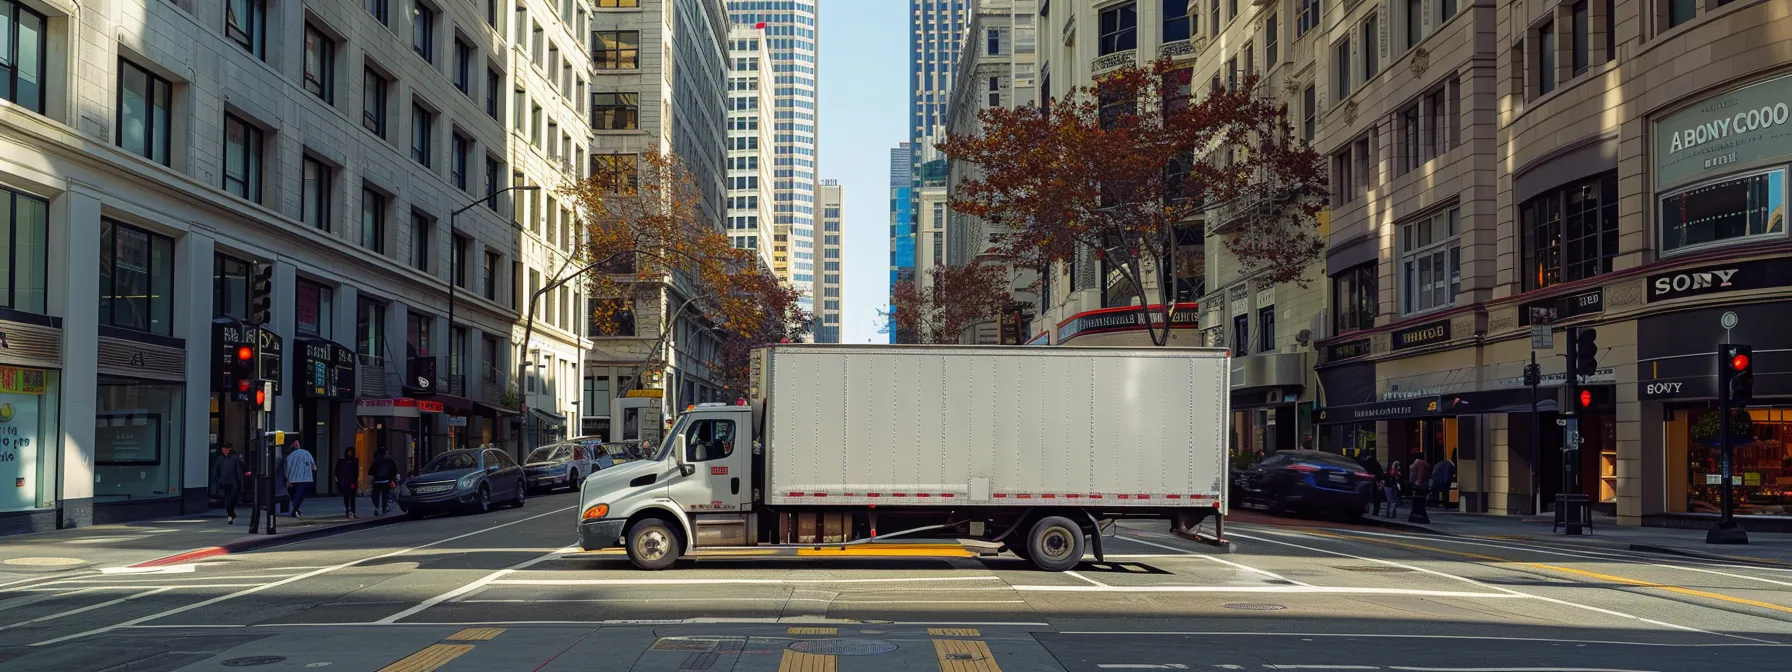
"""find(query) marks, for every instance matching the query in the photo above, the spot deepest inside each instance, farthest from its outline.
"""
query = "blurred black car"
(1305, 481)
(474, 478)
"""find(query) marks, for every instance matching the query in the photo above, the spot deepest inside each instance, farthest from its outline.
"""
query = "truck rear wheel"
(652, 545)
(1055, 544)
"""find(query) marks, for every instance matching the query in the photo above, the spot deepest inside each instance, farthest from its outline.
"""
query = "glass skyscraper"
(902, 232)
(935, 36)
(789, 33)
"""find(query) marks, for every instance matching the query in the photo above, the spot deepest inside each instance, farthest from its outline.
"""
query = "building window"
(458, 147)
(242, 158)
(1415, 22)
(314, 309)
(1343, 177)
(1266, 330)
(995, 92)
(1309, 106)
(1341, 70)
(463, 66)
(1176, 21)
(462, 246)
(1577, 224)
(1371, 46)
(136, 279)
(1727, 210)
(422, 239)
(1119, 28)
(378, 9)
(535, 125)
(615, 111)
(616, 49)
(423, 31)
(1680, 11)
(373, 220)
(1353, 296)
(314, 207)
(992, 42)
(1271, 37)
(1306, 17)
(370, 331)
(230, 287)
(246, 23)
(373, 103)
(1241, 335)
(1579, 50)
(493, 170)
(604, 4)
(1407, 125)
(1440, 104)
(22, 56)
(1430, 262)
(143, 112)
(1445, 10)
(491, 276)
(320, 65)
(1546, 57)
(493, 84)
(25, 258)
(422, 130)
(1213, 23)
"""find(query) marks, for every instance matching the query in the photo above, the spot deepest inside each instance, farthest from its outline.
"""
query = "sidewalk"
(1763, 548)
(168, 540)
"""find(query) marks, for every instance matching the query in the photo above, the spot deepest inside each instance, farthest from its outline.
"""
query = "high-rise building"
(902, 234)
(936, 34)
(789, 30)
(642, 101)
(193, 183)
(827, 302)
(750, 145)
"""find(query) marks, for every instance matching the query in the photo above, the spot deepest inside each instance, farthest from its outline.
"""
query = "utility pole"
(1533, 377)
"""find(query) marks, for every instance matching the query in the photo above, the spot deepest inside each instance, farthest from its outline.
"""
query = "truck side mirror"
(678, 448)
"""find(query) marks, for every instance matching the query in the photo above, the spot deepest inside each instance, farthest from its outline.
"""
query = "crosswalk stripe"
(814, 631)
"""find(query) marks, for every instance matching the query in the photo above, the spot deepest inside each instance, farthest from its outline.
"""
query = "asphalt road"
(503, 592)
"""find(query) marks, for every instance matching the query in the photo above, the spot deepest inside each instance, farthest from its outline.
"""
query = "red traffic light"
(244, 353)
(242, 385)
(261, 397)
(1739, 362)
(1586, 398)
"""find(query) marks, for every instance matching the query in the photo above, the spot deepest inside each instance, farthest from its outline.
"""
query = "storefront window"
(1727, 210)
(24, 251)
(28, 404)
(137, 442)
(1570, 233)
(1762, 467)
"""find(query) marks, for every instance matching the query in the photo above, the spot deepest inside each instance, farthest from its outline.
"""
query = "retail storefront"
(323, 382)
(1125, 326)
(139, 430)
(394, 425)
(30, 402)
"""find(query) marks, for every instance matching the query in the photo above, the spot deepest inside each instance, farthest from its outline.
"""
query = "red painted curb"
(188, 556)
(252, 543)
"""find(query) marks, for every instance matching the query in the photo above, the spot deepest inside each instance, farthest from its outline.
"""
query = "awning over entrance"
(1505, 400)
(546, 417)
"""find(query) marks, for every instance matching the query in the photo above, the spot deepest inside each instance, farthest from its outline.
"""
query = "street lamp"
(453, 271)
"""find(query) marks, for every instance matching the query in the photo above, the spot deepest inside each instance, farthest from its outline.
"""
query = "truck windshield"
(666, 443)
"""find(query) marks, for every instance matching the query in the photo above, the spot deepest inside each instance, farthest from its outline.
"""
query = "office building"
(789, 30)
(750, 145)
(902, 234)
(827, 317)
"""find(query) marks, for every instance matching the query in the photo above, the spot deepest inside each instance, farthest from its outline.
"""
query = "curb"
(266, 540)
(1670, 550)
(1404, 526)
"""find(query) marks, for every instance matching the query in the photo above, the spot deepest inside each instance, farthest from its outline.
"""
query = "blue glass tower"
(936, 33)
(789, 30)
(902, 232)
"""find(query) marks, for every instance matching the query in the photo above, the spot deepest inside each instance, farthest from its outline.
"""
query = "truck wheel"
(652, 545)
(1055, 544)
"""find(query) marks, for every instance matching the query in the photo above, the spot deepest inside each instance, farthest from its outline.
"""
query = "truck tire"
(652, 545)
(1055, 544)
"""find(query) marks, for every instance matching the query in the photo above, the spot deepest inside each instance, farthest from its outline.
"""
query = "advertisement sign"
(1742, 126)
(1553, 309)
(1109, 320)
(18, 448)
(1424, 334)
(1733, 277)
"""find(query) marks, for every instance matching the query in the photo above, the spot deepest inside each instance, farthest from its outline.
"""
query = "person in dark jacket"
(348, 477)
(1372, 466)
(384, 474)
(1442, 475)
(227, 474)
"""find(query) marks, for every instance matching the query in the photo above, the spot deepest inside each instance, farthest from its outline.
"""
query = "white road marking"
(1379, 635)
(169, 569)
(672, 621)
(1510, 669)
(1141, 666)
(130, 581)
(89, 607)
(1222, 561)
(476, 585)
(1283, 590)
(258, 588)
(1503, 589)
(1085, 578)
(136, 586)
(713, 582)
(1322, 667)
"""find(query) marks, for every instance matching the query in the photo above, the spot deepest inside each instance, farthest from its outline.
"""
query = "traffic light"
(1736, 374)
(261, 397)
(1586, 398)
(1586, 352)
(261, 295)
(242, 367)
(1533, 375)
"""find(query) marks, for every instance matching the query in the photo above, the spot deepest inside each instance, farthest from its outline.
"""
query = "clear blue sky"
(863, 114)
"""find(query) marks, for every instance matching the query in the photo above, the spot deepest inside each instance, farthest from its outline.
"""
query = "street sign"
(1729, 320)
(1542, 338)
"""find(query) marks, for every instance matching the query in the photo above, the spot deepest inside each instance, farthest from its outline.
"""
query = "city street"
(506, 592)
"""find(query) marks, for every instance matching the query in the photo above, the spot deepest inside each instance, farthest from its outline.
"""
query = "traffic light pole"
(1732, 361)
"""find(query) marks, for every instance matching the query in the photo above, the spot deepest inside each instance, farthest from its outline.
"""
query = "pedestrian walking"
(384, 474)
(227, 474)
(1372, 466)
(301, 475)
(348, 480)
(1442, 476)
(1390, 496)
(1421, 488)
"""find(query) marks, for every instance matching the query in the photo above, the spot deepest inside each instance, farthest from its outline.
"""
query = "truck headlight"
(596, 511)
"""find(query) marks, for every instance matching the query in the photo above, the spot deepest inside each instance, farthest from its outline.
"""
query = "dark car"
(1305, 481)
(473, 478)
(560, 465)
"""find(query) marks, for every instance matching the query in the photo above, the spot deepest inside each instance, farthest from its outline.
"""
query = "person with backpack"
(384, 474)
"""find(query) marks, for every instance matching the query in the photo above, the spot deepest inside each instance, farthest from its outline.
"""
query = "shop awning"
(1504, 400)
(494, 409)
(547, 417)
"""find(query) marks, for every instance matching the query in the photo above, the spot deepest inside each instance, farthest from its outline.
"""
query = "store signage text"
(1548, 311)
(1660, 390)
(1338, 352)
(1187, 316)
(1686, 282)
(1424, 334)
(1739, 126)
(1720, 128)
(1759, 274)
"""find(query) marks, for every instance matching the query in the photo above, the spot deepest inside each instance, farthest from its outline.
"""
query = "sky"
(863, 63)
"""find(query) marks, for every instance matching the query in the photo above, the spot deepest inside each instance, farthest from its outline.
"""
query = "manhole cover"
(43, 562)
(1246, 606)
(1375, 569)
(252, 661)
(843, 647)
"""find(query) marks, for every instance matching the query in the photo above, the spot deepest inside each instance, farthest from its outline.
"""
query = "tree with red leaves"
(955, 298)
(1125, 166)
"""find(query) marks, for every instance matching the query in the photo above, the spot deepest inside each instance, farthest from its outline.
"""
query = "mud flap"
(1186, 524)
(1096, 524)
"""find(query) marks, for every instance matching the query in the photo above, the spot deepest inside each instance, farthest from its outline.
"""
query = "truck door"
(716, 446)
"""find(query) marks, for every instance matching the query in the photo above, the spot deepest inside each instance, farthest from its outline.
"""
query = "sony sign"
(1686, 282)
(1732, 277)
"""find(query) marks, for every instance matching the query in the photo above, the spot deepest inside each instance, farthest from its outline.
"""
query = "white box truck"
(1030, 448)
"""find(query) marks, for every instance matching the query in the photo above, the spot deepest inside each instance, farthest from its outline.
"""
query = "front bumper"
(542, 479)
(600, 534)
(456, 496)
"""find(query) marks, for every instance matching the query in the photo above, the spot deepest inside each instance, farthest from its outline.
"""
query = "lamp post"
(453, 269)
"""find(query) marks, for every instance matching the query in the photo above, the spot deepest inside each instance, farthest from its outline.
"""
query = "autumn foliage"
(1126, 166)
(955, 298)
(643, 227)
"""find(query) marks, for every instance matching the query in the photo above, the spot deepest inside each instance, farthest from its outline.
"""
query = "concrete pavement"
(504, 591)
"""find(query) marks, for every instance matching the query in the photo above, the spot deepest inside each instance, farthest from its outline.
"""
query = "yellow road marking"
(795, 661)
(815, 631)
(1567, 570)
(954, 632)
(886, 551)
(964, 655)
(475, 634)
(429, 659)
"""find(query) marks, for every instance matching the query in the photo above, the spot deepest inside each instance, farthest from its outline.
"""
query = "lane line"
(1390, 635)
(470, 587)
(669, 621)
(87, 608)
(1283, 590)
(1504, 589)
(26, 600)
(715, 582)
(1085, 578)
(1222, 561)
(1404, 668)
(258, 588)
